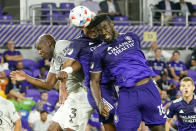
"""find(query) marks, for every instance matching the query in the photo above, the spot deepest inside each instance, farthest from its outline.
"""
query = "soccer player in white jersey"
(75, 112)
(9, 118)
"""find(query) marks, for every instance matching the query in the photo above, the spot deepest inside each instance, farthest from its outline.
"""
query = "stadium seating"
(30, 64)
(67, 6)
(53, 97)
(179, 21)
(48, 6)
(7, 72)
(193, 19)
(33, 93)
(121, 20)
(6, 19)
(192, 74)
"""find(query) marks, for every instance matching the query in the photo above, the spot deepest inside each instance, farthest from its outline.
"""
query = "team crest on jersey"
(195, 109)
(116, 119)
(92, 65)
(69, 51)
(128, 38)
(59, 59)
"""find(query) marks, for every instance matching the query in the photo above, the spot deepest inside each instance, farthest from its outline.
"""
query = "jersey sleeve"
(96, 62)
(170, 112)
(73, 50)
(12, 112)
(52, 67)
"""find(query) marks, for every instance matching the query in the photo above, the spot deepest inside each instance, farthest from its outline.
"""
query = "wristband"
(69, 70)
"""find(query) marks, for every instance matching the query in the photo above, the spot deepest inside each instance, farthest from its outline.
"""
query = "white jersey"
(74, 79)
(8, 115)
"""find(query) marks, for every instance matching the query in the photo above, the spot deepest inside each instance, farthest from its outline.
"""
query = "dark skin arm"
(96, 91)
(43, 84)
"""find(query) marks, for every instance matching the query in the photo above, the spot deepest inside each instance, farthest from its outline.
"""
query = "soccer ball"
(80, 16)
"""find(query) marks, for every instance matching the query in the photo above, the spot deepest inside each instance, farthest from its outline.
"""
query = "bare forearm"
(96, 91)
(17, 57)
(17, 125)
(40, 83)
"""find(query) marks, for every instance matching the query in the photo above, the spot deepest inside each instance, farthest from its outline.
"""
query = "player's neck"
(188, 99)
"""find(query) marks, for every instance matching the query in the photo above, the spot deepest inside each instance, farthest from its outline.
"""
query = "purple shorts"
(136, 104)
(109, 97)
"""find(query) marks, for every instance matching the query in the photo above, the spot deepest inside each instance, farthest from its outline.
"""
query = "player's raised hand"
(103, 109)
(18, 75)
(62, 92)
(62, 75)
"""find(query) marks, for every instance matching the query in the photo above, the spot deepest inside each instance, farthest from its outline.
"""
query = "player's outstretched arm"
(96, 91)
(43, 84)
(17, 124)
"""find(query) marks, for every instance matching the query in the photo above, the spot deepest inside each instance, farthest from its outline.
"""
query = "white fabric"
(184, 9)
(33, 116)
(8, 115)
(75, 112)
(59, 58)
(168, 9)
(111, 7)
(41, 126)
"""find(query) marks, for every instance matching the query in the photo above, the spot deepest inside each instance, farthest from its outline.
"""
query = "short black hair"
(43, 111)
(98, 19)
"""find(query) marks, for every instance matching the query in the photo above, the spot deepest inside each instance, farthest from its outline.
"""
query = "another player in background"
(184, 107)
(81, 49)
(9, 118)
(139, 98)
(68, 116)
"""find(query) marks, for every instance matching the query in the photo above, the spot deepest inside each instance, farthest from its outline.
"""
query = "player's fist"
(103, 109)
(62, 75)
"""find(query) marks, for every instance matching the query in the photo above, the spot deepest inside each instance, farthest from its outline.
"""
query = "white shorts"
(75, 112)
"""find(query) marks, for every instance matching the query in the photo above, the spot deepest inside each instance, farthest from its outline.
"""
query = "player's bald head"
(45, 39)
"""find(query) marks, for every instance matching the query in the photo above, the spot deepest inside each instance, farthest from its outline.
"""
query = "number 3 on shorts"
(72, 115)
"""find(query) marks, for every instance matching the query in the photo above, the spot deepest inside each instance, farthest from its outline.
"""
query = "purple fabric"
(139, 103)
(11, 53)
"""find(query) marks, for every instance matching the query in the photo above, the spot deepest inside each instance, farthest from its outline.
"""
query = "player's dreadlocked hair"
(98, 19)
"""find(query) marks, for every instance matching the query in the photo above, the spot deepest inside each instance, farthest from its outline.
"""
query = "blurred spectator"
(43, 123)
(16, 90)
(186, 7)
(3, 64)
(150, 55)
(42, 74)
(157, 64)
(3, 80)
(43, 104)
(34, 116)
(44, 63)
(111, 7)
(10, 120)
(176, 67)
(178, 94)
(11, 56)
(193, 60)
(167, 6)
(165, 84)
(92, 5)
(165, 99)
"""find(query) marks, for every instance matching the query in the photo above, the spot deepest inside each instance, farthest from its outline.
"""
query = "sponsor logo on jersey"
(181, 111)
(69, 51)
(92, 65)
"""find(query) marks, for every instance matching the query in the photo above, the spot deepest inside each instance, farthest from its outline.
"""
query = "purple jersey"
(157, 66)
(178, 66)
(12, 53)
(186, 113)
(81, 49)
(124, 60)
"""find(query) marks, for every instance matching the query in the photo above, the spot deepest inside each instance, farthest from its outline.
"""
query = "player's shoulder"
(5, 102)
(177, 100)
(62, 42)
(101, 47)
(129, 35)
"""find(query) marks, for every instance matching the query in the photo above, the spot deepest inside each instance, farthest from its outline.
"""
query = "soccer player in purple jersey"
(81, 49)
(184, 107)
(139, 98)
